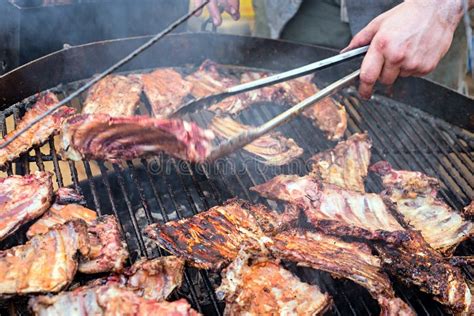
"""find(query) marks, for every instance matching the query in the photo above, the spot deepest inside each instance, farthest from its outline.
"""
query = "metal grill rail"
(163, 189)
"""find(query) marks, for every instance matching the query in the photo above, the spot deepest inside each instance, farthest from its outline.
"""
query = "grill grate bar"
(39, 159)
(74, 175)
(92, 186)
(426, 157)
(408, 166)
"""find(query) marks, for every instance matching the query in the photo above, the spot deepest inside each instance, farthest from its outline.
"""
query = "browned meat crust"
(332, 209)
(108, 249)
(273, 148)
(46, 263)
(212, 239)
(115, 95)
(166, 90)
(37, 134)
(413, 261)
(22, 199)
(265, 288)
(156, 278)
(207, 80)
(345, 165)
(65, 196)
(414, 195)
(110, 299)
(468, 211)
(60, 214)
(353, 261)
(120, 138)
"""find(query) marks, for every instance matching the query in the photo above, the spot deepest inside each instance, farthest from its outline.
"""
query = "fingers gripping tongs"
(250, 135)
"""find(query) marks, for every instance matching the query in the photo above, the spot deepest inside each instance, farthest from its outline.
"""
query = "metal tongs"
(243, 139)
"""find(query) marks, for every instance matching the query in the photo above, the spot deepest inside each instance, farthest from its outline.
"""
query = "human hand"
(408, 40)
(215, 6)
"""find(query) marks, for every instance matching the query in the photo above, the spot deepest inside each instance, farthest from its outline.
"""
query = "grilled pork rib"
(120, 138)
(155, 278)
(331, 208)
(468, 211)
(353, 261)
(46, 263)
(115, 95)
(265, 288)
(40, 132)
(166, 90)
(213, 238)
(60, 214)
(415, 197)
(108, 251)
(273, 148)
(22, 199)
(345, 165)
(110, 299)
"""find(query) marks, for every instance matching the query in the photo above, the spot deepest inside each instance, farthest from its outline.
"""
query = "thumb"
(365, 36)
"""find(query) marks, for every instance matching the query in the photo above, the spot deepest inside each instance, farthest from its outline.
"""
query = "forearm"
(451, 11)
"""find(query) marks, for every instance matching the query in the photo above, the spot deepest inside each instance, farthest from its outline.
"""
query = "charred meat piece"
(346, 165)
(273, 148)
(414, 195)
(332, 209)
(110, 299)
(115, 95)
(413, 261)
(60, 214)
(46, 263)
(353, 261)
(156, 278)
(120, 138)
(108, 249)
(265, 288)
(22, 199)
(166, 90)
(40, 132)
(212, 239)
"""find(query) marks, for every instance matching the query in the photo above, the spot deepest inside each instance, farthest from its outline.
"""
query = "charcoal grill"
(417, 125)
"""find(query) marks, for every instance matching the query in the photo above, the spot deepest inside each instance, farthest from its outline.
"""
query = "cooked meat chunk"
(273, 148)
(115, 95)
(413, 261)
(60, 214)
(65, 196)
(155, 278)
(119, 138)
(107, 300)
(46, 263)
(37, 134)
(346, 165)
(468, 211)
(414, 195)
(265, 288)
(108, 249)
(353, 261)
(331, 208)
(166, 91)
(22, 199)
(328, 115)
(213, 238)
(207, 80)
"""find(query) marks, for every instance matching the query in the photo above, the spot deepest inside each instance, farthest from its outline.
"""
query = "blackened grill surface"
(163, 189)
